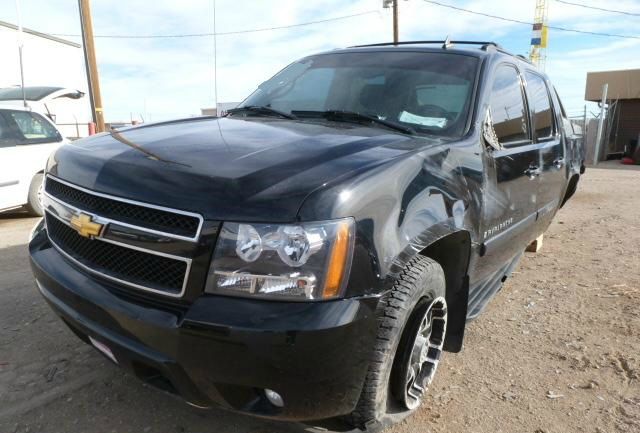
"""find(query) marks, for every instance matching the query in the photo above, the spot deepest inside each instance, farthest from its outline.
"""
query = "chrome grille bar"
(65, 212)
(133, 203)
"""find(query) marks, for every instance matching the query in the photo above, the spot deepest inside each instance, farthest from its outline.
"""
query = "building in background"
(622, 121)
(48, 61)
(222, 106)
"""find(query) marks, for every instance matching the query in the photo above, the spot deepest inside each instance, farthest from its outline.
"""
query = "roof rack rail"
(484, 46)
(521, 57)
(449, 43)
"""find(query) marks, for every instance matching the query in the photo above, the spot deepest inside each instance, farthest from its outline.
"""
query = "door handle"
(559, 163)
(532, 172)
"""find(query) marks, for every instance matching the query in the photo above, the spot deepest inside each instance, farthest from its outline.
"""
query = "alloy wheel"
(426, 352)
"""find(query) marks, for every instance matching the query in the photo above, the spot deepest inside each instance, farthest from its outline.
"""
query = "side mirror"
(488, 133)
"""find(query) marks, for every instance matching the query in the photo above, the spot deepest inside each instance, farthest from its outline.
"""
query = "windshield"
(428, 92)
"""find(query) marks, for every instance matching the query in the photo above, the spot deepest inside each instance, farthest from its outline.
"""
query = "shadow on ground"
(45, 369)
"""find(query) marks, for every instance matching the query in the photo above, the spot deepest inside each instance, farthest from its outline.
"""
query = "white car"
(26, 141)
(64, 106)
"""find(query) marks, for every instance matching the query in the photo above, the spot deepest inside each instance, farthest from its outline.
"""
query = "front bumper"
(222, 351)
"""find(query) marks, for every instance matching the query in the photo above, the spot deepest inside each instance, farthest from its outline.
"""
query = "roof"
(472, 48)
(38, 93)
(623, 84)
(40, 34)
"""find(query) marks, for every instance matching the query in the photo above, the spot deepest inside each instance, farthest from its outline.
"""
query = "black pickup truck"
(310, 255)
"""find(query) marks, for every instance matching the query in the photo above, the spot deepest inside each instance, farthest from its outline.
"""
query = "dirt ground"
(557, 350)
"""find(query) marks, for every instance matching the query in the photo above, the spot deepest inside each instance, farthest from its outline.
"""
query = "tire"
(34, 206)
(417, 290)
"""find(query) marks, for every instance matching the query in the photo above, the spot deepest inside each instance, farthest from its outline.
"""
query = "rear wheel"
(34, 200)
(412, 324)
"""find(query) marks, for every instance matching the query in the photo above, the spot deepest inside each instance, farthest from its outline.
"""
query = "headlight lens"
(296, 261)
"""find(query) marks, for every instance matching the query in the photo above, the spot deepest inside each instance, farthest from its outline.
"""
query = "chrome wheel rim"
(39, 193)
(426, 352)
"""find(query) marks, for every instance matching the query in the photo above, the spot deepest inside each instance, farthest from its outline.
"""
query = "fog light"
(274, 398)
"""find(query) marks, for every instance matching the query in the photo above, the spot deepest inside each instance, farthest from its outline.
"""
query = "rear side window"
(566, 123)
(33, 127)
(540, 105)
(508, 111)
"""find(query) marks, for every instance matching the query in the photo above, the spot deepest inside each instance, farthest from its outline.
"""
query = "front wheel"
(418, 357)
(412, 325)
(34, 200)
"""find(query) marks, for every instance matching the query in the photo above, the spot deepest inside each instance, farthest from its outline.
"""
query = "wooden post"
(395, 21)
(91, 64)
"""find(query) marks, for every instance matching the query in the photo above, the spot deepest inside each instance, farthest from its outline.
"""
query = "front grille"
(131, 266)
(155, 219)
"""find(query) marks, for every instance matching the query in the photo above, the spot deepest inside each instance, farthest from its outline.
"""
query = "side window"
(33, 127)
(7, 138)
(540, 105)
(508, 111)
(568, 126)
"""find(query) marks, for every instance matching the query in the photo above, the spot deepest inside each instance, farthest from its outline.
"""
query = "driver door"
(512, 166)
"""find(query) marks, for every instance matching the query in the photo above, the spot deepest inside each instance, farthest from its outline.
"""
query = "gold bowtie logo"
(85, 226)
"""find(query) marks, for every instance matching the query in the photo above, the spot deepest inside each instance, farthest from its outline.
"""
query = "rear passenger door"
(512, 168)
(9, 170)
(546, 134)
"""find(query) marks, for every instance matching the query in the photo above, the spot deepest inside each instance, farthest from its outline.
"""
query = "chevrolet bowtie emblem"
(85, 226)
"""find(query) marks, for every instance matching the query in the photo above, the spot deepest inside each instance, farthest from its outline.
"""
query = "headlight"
(294, 261)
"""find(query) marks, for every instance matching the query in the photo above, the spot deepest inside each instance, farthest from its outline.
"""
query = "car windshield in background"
(427, 92)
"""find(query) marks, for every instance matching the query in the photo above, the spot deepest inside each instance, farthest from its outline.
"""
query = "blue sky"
(165, 78)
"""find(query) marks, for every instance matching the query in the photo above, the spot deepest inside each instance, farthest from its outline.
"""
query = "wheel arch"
(453, 252)
(572, 187)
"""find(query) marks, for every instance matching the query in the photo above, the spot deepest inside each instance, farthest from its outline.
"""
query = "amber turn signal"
(338, 262)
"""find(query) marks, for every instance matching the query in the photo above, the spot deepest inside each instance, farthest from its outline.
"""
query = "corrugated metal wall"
(626, 125)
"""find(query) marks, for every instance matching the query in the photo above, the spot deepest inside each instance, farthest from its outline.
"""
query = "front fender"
(401, 208)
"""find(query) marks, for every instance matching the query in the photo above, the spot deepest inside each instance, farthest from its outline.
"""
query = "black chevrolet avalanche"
(310, 255)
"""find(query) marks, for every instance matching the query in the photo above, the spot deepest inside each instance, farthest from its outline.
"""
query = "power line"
(237, 32)
(564, 29)
(634, 14)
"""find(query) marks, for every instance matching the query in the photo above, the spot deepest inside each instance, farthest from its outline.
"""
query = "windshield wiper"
(261, 109)
(353, 116)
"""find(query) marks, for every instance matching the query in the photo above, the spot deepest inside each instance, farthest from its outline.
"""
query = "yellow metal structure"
(540, 35)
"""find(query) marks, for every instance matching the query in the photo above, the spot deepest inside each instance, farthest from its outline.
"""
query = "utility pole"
(395, 22)
(394, 5)
(20, 46)
(91, 64)
(215, 61)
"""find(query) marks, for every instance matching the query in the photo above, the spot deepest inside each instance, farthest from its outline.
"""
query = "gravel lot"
(558, 349)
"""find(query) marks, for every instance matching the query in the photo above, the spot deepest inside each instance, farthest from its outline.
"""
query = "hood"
(228, 168)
